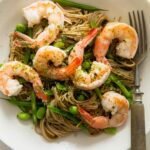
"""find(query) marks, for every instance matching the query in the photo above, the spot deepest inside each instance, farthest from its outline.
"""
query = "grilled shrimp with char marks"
(12, 87)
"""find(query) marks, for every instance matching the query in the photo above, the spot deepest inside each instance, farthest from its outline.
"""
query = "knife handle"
(138, 137)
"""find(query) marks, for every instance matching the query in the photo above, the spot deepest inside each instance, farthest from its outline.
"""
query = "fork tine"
(130, 20)
(140, 32)
(135, 22)
(144, 32)
(136, 28)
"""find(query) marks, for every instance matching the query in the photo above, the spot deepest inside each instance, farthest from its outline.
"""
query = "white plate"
(21, 136)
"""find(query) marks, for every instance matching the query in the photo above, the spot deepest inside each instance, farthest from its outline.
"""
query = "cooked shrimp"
(78, 50)
(97, 75)
(99, 70)
(11, 87)
(127, 35)
(56, 56)
(33, 14)
(112, 102)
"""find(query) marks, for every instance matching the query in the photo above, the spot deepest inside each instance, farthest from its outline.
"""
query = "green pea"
(61, 87)
(24, 116)
(86, 65)
(73, 110)
(110, 130)
(81, 97)
(21, 28)
(41, 112)
(59, 44)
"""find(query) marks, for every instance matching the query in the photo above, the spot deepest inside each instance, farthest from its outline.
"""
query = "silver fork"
(138, 140)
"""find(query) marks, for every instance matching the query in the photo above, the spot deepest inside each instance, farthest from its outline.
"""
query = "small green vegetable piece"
(110, 130)
(41, 113)
(1, 65)
(61, 87)
(67, 115)
(21, 28)
(63, 38)
(23, 105)
(59, 44)
(32, 56)
(68, 49)
(98, 93)
(86, 65)
(88, 55)
(49, 92)
(27, 56)
(73, 110)
(81, 98)
(24, 116)
(34, 107)
(76, 5)
(93, 24)
(30, 32)
(124, 90)
(22, 81)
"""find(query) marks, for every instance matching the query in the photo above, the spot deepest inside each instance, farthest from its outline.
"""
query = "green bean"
(98, 93)
(34, 107)
(22, 104)
(32, 56)
(77, 5)
(27, 56)
(23, 108)
(124, 90)
(21, 28)
(13, 100)
(67, 115)
(41, 112)
(59, 44)
(23, 116)
(73, 110)
(110, 130)
(68, 49)
(30, 32)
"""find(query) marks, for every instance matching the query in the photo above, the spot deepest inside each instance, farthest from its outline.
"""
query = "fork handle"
(138, 140)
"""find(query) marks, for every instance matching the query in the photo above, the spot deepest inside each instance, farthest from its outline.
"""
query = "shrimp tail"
(42, 96)
(71, 68)
(87, 117)
(25, 41)
(99, 122)
(90, 36)
(22, 36)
